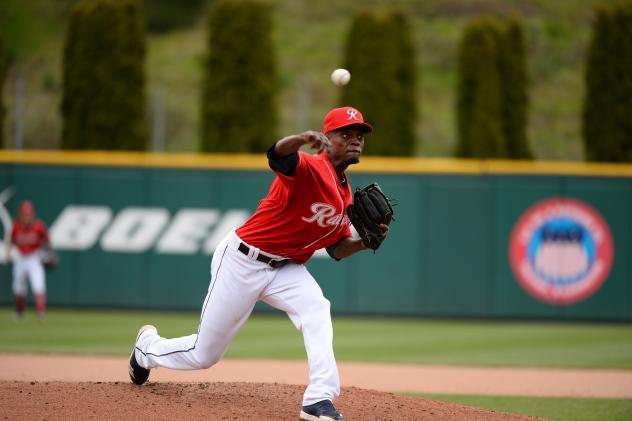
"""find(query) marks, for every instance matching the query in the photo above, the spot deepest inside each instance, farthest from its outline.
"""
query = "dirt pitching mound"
(216, 401)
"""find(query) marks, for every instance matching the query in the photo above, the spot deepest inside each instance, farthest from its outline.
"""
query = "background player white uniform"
(305, 210)
(29, 235)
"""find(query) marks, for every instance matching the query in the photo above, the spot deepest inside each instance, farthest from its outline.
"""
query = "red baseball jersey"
(29, 238)
(301, 213)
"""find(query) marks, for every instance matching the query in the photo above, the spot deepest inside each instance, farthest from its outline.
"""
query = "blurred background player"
(30, 236)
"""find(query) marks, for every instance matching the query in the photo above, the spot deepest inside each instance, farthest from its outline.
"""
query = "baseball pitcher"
(308, 207)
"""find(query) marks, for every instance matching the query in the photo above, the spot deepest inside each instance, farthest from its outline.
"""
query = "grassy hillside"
(310, 37)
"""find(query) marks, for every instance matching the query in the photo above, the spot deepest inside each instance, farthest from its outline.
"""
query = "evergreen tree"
(607, 119)
(239, 112)
(479, 104)
(103, 105)
(381, 58)
(493, 103)
(363, 88)
(514, 88)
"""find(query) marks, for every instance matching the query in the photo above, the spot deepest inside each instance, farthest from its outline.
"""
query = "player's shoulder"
(310, 159)
(313, 165)
(307, 160)
(306, 156)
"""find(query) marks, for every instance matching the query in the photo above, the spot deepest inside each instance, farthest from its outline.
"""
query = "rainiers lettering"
(324, 215)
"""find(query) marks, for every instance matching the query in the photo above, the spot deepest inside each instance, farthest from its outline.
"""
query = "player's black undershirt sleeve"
(286, 165)
(331, 250)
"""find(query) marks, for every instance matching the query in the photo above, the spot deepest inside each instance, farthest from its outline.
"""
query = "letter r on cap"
(353, 114)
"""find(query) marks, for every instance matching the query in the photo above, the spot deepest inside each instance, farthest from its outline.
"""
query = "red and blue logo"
(561, 251)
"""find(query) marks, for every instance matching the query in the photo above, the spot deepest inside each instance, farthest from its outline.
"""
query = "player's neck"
(341, 166)
(340, 169)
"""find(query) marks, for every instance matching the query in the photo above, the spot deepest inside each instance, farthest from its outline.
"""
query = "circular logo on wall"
(561, 251)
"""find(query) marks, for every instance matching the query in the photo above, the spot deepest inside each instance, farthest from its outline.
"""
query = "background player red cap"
(343, 117)
(27, 208)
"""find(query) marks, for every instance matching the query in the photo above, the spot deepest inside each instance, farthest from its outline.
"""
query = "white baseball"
(340, 77)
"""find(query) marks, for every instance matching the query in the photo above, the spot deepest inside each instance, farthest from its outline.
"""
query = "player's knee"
(319, 314)
(322, 306)
(206, 359)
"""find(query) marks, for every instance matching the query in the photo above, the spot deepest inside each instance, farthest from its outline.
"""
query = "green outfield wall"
(137, 231)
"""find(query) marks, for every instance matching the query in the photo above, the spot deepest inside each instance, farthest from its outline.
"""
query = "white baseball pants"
(30, 266)
(237, 283)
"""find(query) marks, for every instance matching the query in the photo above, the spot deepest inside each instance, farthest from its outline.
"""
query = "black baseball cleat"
(138, 374)
(321, 411)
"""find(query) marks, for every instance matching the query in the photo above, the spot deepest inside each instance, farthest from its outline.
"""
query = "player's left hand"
(370, 214)
(50, 259)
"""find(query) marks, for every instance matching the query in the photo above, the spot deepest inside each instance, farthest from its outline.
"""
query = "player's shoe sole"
(320, 411)
(138, 374)
(305, 416)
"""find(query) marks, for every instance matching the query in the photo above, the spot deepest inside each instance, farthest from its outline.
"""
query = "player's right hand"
(316, 140)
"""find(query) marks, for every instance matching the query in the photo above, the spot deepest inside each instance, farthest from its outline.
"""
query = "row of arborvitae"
(103, 104)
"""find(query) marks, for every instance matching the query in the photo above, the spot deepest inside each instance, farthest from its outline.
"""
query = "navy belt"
(273, 263)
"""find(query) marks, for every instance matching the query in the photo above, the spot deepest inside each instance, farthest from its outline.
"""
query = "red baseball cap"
(343, 117)
(27, 208)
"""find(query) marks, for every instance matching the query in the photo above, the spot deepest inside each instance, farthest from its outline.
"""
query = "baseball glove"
(49, 259)
(369, 210)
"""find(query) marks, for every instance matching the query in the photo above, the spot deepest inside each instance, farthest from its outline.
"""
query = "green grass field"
(485, 343)
(563, 409)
